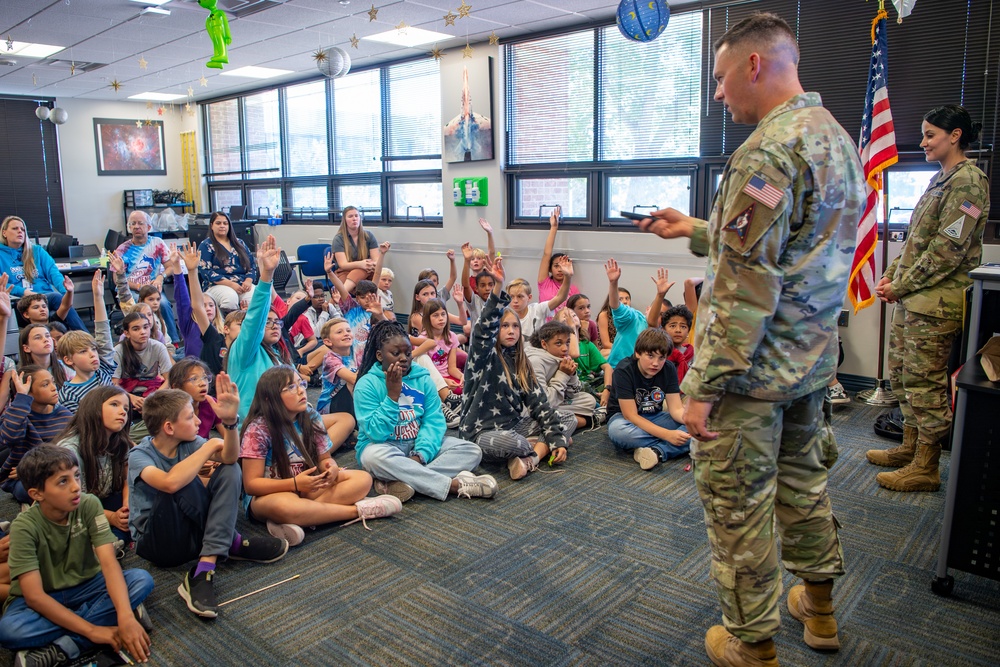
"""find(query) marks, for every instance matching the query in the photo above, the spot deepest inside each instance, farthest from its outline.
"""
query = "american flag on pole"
(878, 152)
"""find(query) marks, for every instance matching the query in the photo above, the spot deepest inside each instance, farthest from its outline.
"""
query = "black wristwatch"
(234, 425)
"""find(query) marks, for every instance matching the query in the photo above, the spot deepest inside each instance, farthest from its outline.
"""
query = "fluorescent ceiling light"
(156, 3)
(155, 10)
(254, 72)
(30, 50)
(157, 97)
(409, 36)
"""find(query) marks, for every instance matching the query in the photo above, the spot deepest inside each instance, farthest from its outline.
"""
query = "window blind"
(413, 102)
(30, 185)
(305, 129)
(357, 123)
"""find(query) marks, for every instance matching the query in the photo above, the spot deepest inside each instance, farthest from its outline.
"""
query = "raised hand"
(494, 267)
(116, 263)
(613, 271)
(662, 281)
(226, 403)
(191, 256)
(97, 285)
(450, 254)
(328, 262)
(22, 382)
(268, 256)
(567, 265)
(554, 217)
(384, 246)
(467, 251)
(5, 310)
(458, 293)
(69, 284)
(487, 227)
(307, 286)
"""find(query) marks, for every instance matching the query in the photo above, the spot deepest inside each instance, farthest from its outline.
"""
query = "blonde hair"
(479, 253)
(519, 285)
(27, 254)
(73, 342)
(387, 272)
(329, 325)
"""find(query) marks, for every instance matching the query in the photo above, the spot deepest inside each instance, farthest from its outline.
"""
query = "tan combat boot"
(897, 457)
(920, 475)
(728, 650)
(812, 606)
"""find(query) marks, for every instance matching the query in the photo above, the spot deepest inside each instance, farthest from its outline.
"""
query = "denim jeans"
(72, 319)
(387, 461)
(22, 627)
(626, 436)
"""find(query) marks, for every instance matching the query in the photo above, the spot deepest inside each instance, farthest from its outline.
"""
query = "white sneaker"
(288, 531)
(646, 457)
(476, 486)
(378, 507)
(519, 467)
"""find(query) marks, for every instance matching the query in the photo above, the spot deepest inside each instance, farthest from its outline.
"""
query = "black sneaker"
(46, 656)
(198, 593)
(265, 549)
(142, 616)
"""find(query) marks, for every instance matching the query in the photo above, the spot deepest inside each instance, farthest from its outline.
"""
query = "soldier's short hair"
(760, 30)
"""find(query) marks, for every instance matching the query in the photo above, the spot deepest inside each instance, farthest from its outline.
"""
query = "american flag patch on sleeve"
(970, 209)
(764, 192)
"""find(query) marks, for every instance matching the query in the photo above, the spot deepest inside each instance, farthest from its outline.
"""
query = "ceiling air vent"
(76, 66)
(240, 8)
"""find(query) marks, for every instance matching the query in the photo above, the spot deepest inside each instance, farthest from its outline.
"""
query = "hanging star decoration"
(436, 52)
(142, 62)
(190, 91)
(149, 123)
(494, 38)
(467, 51)
(402, 26)
(159, 110)
(449, 18)
(190, 109)
(354, 41)
(116, 84)
(138, 123)
(203, 81)
(149, 105)
(10, 42)
(34, 80)
(463, 10)
(372, 14)
(320, 56)
(72, 68)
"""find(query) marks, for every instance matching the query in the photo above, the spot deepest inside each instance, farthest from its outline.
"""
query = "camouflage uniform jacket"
(779, 241)
(944, 244)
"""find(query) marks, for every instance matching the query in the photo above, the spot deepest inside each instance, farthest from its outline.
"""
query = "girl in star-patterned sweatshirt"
(499, 385)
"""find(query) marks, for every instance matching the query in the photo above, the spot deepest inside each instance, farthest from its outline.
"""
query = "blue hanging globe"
(643, 20)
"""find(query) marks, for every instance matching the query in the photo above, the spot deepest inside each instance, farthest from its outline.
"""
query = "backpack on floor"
(890, 425)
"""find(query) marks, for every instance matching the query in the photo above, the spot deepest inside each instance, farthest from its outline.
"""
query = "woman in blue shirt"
(228, 269)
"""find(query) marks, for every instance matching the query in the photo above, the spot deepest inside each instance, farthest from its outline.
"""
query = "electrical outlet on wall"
(842, 320)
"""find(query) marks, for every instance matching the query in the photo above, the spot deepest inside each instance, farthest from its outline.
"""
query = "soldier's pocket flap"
(723, 448)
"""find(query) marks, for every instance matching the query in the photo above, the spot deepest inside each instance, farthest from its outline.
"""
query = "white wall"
(94, 203)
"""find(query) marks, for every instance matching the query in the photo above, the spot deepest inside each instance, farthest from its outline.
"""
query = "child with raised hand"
(198, 315)
(92, 358)
(477, 288)
(173, 516)
(401, 439)
(33, 418)
(580, 304)
(506, 411)
(447, 355)
(534, 315)
(645, 409)
(551, 268)
(432, 275)
(591, 367)
(478, 257)
(34, 308)
(150, 296)
(289, 475)
(98, 436)
(628, 321)
(360, 309)
(677, 324)
(555, 371)
(69, 593)
(606, 331)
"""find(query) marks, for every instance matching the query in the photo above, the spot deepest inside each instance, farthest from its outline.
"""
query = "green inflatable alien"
(217, 26)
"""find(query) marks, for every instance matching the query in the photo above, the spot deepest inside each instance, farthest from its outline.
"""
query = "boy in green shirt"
(68, 592)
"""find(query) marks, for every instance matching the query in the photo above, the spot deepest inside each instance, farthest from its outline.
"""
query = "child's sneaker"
(261, 549)
(600, 417)
(519, 467)
(46, 656)
(287, 531)
(476, 486)
(401, 490)
(452, 417)
(453, 400)
(646, 457)
(378, 507)
(142, 616)
(836, 395)
(198, 593)
(119, 546)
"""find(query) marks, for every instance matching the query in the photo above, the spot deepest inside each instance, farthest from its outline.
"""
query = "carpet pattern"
(603, 564)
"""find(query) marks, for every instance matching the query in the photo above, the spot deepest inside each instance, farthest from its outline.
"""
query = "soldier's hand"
(696, 419)
(667, 223)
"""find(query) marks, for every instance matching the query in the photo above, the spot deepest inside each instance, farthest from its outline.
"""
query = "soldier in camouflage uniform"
(779, 241)
(927, 283)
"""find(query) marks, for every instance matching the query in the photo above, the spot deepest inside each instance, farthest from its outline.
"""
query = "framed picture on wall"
(129, 147)
(468, 136)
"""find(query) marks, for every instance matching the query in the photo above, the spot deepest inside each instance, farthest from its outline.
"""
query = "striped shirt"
(21, 429)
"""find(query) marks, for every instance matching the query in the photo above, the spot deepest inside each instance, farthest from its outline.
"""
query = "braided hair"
(381, 331)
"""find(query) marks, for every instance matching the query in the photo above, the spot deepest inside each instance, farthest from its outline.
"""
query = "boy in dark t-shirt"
(644, 408)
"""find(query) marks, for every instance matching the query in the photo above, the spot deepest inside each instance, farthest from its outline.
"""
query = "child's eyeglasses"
(272, 324)
(296, 386)
(199, 379)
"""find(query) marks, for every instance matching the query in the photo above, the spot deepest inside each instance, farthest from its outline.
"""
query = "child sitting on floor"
(173, 516)
(92, 358)
(645, 408)
(534, 315)
(401, 439)
(68, 593)
(556, 372)
(289, 475)
(385, 294)
(678, 325)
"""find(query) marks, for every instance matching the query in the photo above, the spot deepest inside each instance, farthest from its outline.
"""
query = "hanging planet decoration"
(336, 64)
(58, 116)
(643, 20)
(42, 113)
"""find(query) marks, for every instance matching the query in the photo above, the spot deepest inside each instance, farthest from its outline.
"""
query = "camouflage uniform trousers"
(919, 347)
(770, 461)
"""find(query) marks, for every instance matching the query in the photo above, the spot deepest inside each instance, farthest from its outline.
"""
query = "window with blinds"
(30, 187)
(414, 124)
(262, 134)
(224, 146)
(305, 129)
(357, 123)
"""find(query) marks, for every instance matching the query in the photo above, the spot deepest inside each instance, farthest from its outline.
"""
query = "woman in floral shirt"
(228, 268)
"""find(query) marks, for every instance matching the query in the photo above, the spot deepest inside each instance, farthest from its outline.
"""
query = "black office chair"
(84, 251)
(59, 244)
(282, 274)
(114, 239)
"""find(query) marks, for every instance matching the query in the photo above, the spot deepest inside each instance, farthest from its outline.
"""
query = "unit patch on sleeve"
(741, 223)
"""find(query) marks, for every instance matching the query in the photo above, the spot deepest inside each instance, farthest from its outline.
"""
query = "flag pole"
(881, 396)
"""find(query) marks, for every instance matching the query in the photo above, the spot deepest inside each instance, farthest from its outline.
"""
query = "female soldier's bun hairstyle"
(953, 117)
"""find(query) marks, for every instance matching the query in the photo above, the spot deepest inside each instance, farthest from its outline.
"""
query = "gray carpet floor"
(603, 564)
